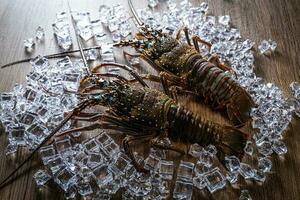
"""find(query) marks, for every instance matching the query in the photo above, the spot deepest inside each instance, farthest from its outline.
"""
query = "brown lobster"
(144, 114)
(184, 70)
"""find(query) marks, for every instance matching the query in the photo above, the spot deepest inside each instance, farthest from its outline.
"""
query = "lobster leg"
(127, 144)
(148, 77)
(158, 141)
(196, 39)
(186, 33)
(126, 54)
(167, 77)
(175, 90)
(216, 60)
(125, 67)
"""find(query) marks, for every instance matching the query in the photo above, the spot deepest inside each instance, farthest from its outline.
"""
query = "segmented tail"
(232, 143)
(188, 127)
(239, 110)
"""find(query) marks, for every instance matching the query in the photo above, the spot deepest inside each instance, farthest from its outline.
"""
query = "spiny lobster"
(183, 69)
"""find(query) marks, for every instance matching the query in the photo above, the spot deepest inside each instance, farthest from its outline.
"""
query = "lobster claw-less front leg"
(162, 141)
(128, 148)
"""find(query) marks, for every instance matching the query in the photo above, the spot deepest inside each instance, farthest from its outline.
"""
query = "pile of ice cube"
(29, 112)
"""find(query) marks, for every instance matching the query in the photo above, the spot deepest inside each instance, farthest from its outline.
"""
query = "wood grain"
(256, 19)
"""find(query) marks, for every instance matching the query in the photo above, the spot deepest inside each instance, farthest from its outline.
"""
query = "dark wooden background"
(256, 19)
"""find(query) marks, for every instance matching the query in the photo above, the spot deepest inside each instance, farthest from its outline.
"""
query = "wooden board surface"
(256, 19)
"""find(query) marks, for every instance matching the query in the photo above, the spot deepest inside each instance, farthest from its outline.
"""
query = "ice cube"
(152, 162)
(232, 177)
(103, 139)
(63, 144)
(195, 150)
(47, 152)
(97, 27)
(279, 147)
(55, 163)
(183, 190)
(245, 195)
(7, 101)
(41, 177)
(224, 20)
(152, 3)
(65, 178)
(102, 175)
(17, 135)
(91, 54)
(83, 188)
(185, 171)
(246, 171)
(215, 180)
(94, 160)
(249, 148)
(232, 163)
(90, 145)
(40, 33)
(264, 164)
(29, 43)
(206, 158)
(199, 182)
(39, 63)
(64, 39)
(166, 169)
(121, 164)
(201, 168)
(259, 175)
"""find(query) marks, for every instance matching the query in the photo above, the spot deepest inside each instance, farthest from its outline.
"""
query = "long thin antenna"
(52, 133)
(134, 13)
(55, 55)
(79, 43)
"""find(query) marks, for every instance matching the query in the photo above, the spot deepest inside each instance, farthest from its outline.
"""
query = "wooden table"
(256, 19)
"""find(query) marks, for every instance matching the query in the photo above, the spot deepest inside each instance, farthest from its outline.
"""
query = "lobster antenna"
(52, 133)
(134, 13)
(87, 69)
(56, 55)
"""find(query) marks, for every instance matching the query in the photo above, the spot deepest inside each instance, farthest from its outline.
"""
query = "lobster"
(144, 114)
(147, 114)
(184, 70)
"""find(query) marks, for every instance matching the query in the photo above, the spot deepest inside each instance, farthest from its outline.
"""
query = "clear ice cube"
(249, 148)
(246, 171)
(195, 150)
(264, 164)
(64, 39)
(40, 33)
(65, 178)
(166, 169)
(215, 180)
(185, 171)
(47, 152)
(102, 175)
(245, 195)
(152, 162)
(279, 147)
(41, 177)
(183, 190)
(29, 43)
(199, 182)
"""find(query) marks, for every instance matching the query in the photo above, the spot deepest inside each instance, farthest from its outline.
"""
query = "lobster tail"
(188, 127)
(232, 143)
(239, 109)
